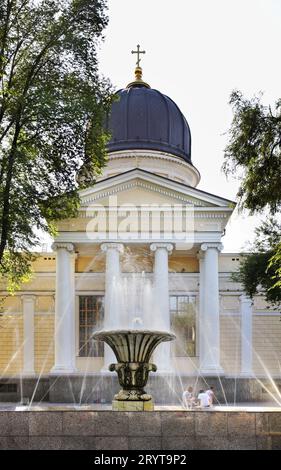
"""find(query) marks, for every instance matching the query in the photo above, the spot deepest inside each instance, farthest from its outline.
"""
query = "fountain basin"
(133, 350)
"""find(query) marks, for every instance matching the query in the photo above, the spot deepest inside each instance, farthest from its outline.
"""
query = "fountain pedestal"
(119, 405)
(132, 377)
(133, 349)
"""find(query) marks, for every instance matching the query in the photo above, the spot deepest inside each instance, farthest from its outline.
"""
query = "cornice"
(87, 213)
(156, 156)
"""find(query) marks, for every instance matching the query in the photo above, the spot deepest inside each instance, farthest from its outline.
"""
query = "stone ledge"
(94, 423)
(166, 430)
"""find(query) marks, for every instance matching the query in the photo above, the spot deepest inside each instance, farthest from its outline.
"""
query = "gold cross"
(138, 52)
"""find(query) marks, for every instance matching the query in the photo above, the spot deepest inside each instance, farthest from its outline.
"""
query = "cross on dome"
(138, 70)
(138, 52)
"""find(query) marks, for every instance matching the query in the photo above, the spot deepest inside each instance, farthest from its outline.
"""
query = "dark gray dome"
(144, 118)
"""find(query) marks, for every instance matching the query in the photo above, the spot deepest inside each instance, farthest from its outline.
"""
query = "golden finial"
(138, 73)
(138, 70)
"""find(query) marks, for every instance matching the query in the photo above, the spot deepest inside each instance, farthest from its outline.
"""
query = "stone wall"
(230, 344)
(266, 344)
(166, 430)
(11, 341)
(44, 348)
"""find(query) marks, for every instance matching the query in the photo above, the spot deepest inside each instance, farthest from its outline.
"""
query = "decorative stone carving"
(161, 163)
(131, 374)
(60, 245)
(115, 246)
(169, 247)
(205, 246)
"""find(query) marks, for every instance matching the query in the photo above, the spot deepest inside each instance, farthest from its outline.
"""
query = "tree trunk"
(6, 195)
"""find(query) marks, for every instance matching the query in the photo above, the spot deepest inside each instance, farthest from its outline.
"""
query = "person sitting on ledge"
(211, 395)
(204, 400)
(188, 398)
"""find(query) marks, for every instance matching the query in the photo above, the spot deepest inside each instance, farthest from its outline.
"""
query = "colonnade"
(209, 311)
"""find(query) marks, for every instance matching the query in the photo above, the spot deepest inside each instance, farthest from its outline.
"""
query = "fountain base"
(97, 388)
(132, 405)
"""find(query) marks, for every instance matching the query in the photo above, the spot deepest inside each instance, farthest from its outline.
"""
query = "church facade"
(146, 222)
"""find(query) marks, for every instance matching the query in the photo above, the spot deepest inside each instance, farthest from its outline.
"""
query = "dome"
(144, 118)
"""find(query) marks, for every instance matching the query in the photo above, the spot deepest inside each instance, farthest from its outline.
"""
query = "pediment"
(138, 203)
(139, 187)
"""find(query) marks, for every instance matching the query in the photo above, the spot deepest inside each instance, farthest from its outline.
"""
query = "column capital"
(206, 246)
(28, 297)
(245, 299)
(112, 246)
(63, 246)
(168, 246)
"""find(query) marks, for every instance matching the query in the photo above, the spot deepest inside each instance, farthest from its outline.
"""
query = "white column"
(161, 309)
(201, 309)
(64, 309)
(210, 360)
(246, 336)
(28, 309)
(112, 298)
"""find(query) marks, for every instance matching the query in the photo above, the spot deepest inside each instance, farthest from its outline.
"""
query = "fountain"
(133, 350)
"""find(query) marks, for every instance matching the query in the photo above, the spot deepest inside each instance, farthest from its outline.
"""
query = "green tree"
(254, 155)
(52, 107)
(261, 268)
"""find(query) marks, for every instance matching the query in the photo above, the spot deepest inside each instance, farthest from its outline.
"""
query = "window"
(8, 388)
(91, 313)
(183, 323)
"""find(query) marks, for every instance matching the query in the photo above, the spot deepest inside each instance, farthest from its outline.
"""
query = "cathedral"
(144, 220)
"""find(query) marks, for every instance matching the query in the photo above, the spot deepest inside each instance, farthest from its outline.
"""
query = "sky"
(197, 52)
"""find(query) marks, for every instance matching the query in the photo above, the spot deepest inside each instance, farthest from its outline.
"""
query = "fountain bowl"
(133, 350)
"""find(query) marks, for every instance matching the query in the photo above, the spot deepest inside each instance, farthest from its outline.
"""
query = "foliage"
(275, 264)
(260, 270)
(52, 107)
(254, 153)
